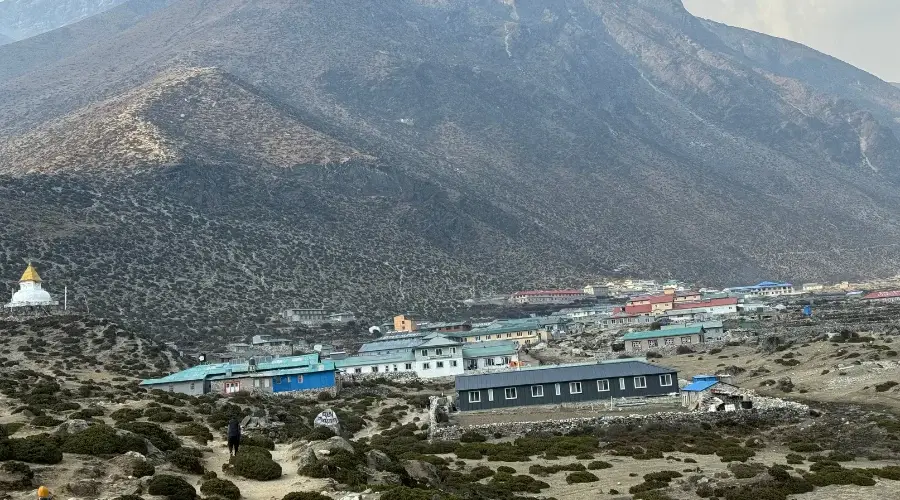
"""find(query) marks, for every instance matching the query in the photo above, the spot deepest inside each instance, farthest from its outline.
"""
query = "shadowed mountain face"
(245, 155)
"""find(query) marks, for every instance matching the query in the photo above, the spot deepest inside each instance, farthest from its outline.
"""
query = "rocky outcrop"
(422, 471)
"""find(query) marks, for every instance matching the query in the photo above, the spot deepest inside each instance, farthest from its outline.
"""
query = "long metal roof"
(560, 373)
(489, 348)
(201, 372)
(403, 357)
(391, 343)
(671, 332)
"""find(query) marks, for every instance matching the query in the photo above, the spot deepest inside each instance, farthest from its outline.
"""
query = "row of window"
(508, 335)
(537, 391)
(408, 366)
(438, 352)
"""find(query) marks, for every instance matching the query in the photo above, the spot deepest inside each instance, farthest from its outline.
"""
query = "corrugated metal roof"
(701, 385)
(403, 357)
(671, 332)
(202, 372)
(561, 373)
(490, 348)
(406, 342)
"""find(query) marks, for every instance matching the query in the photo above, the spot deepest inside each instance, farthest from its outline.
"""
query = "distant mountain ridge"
(406, 155)
(20, 19)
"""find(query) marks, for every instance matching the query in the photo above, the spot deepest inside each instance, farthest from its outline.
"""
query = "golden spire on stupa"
(30, 274)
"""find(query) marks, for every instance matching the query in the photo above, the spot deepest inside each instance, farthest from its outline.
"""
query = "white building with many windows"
(429, 356)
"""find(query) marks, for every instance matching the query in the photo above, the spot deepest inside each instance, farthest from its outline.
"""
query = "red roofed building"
(885, 296)
(548, 296)
(709, 307)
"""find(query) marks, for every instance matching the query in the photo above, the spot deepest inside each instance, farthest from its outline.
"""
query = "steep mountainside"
(206, 163)
(25, 18)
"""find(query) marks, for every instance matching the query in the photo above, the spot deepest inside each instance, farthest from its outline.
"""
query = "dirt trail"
(264, 490)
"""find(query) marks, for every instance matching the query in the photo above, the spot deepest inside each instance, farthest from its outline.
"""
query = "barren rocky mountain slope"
(420, 152)
(25, 18)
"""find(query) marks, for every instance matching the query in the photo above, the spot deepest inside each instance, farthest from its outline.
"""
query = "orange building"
(405, 323)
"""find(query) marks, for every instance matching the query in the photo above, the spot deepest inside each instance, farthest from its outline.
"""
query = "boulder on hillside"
(422, 471)
(378, 460)
(72, 427)
(84, 488)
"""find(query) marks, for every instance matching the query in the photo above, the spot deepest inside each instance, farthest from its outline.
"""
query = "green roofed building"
(653, 339)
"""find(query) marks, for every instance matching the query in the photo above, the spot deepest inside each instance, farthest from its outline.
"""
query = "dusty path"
(263, 490)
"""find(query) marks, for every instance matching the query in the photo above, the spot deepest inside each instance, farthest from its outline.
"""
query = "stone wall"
(766, 409)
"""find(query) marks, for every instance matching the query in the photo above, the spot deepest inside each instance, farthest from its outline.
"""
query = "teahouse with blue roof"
(280, 375)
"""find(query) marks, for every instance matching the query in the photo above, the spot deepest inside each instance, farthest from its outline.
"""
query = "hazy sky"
(864, 33)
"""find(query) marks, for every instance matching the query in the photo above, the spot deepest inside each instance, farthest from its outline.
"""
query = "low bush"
(481, 472)
(319, 434)
(172, 487)
(187, 459)
(45, 421)
(885, 386)
(126, 415)
(581, 477)
(37, 449)
(198, 432)
(746, 471)
(158, 437)
(142, 468)
(794, 459)
(308, 495)
(22, 472)
(804, 447)
(258, 441)
(506, 469)
(599, 465)
(545, 470)
(405, 493)
(101, 440)
(256, 463)
(472, 437)
(518, 484)
(220, 488)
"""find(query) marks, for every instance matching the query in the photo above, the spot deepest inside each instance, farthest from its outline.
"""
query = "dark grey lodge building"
(564, 384)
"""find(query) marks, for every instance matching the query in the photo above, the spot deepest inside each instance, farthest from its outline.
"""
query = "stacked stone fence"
(768, 410)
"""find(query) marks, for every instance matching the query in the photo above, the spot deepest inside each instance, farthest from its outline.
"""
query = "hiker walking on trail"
(234, 436)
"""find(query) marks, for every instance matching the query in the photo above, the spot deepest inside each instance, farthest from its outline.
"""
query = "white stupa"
(31, 293)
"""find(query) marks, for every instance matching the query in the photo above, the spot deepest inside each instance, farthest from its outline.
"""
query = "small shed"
(704, 386)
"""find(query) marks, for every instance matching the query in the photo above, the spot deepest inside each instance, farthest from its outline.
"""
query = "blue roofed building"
(280, 375)
(703, 386)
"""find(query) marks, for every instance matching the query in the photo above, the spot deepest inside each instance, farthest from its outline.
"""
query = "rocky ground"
(90, 432)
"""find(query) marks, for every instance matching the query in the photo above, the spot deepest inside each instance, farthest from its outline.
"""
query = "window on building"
(266, 383)
(670, 341)
(505, 360)
(299, 379)
(685, 340)
(409, 366)
(440, 364)
(426, 366)
(374, 369)
(636, 345)
(477, 339)
(574, 387)
(665, 380)
(508, 335)
(453, 363)
(192, 386)
(518, 334)
(438, 352)
(287, 379)
(424, 352)
(171, 388)
(490, 394)
(474, 396)
(490, 362)
(537, 391)
(621, 384)
(557, 388)
(653, 342)
(256, 382)
(640, 382)
(452, 350)
(603, 385)
(357, 370)
(510, 393)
